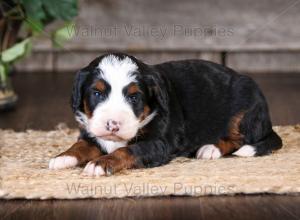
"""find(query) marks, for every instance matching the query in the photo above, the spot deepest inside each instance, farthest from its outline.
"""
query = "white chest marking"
(110, 146)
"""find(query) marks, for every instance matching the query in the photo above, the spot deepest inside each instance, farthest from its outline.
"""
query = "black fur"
(195, 101)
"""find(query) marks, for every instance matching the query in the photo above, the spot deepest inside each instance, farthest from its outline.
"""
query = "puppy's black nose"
(113, 126)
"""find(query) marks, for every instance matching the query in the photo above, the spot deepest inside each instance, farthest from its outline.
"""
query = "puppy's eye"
(97, 93)
(133, 99)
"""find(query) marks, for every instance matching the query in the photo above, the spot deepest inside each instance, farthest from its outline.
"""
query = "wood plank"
(187, 25)
(208, 207)
(264, 62)
(73, 61)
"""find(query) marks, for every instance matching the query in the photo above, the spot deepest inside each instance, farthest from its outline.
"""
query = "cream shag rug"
(24, 171)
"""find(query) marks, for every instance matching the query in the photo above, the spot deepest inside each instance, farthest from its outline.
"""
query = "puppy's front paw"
(91, 169)
(104, 165)
(209, 151)
(62, 162)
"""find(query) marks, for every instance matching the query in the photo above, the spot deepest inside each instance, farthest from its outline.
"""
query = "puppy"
(134, 115)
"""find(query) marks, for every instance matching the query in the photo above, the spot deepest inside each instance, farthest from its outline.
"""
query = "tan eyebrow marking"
(133, 88)
(99, 85)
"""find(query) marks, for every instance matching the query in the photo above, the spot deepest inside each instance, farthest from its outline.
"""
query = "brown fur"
(145, 113)
(133, 88)
(83, 151)
(116, 161)
(234, 139)
(100, 86)
(86, 109)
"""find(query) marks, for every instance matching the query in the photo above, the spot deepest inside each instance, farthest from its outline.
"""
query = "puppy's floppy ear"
(77, 93)
(157, 90)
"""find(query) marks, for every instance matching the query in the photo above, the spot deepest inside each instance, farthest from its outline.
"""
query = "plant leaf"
(17, 51)
(34, 9)
(3, 73)
(61, 9)
(35, 25)
(63, 34)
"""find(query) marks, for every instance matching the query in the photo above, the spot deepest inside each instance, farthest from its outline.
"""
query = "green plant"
(23, 20)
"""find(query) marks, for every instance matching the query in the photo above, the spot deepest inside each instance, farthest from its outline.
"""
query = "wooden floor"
(223, 207)
(44, 102)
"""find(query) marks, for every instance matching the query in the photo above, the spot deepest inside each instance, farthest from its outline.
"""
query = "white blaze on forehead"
(118, 73)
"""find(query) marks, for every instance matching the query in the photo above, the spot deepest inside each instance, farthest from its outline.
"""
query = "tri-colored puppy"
(134, 115)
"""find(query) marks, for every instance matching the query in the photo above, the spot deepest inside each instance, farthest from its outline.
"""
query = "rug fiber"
(24, 172)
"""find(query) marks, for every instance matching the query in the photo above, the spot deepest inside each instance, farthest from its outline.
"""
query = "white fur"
(82, 119)
(92, 170)
(62, 162)
(209, 151)
(147, 119)
(118, 74)
(123, 114)
(111, 146)
(245, 151)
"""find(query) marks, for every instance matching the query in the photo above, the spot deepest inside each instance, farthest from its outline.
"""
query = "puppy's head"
(111, 98)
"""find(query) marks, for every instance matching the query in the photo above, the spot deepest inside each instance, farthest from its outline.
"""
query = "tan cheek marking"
(145, 113)
(86, 109)
(234, 139)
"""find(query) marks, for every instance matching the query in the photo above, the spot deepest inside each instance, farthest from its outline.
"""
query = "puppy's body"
(191, 108)
(212, 101)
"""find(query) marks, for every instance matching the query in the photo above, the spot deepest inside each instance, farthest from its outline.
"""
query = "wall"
(250, 35)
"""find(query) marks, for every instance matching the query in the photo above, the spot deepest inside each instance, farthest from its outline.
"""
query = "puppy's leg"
(225, 145)
(266, 146)
(144, 154)
(258, 136)
(80, 153)
(249, 135)
(110, 163)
